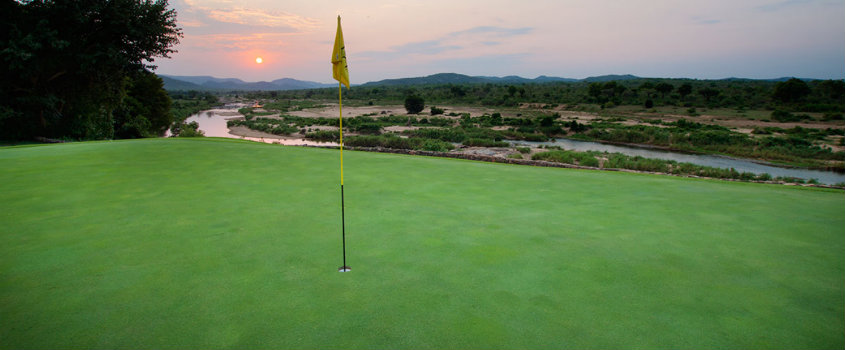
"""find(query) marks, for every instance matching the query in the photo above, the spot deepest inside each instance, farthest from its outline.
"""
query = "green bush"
(435, 145)
(324, 135)
(190, 130)
(784, 116)
(555, 156)
(436, 111)
(524, 150)
(476, 142)
(367, 128)
(535, 137)
(396, 142)
(414, 104)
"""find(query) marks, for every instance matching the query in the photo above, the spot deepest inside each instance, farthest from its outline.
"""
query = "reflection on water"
(741, 165)
(213, 123)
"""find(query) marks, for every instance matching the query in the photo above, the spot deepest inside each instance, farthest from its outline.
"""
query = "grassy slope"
(221, 243)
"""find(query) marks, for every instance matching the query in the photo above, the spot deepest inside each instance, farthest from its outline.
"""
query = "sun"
(259, 60)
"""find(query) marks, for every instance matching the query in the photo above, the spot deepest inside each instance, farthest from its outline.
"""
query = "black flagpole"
(344, 268)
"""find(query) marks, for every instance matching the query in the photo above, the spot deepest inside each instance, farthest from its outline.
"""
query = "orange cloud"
(263, 18)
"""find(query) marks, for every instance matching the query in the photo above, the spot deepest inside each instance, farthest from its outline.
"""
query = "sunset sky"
(573, 39)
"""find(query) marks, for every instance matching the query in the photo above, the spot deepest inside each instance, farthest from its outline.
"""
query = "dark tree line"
(81, 69)
(825, 96)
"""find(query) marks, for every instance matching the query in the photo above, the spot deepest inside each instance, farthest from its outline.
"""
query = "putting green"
(213, 243)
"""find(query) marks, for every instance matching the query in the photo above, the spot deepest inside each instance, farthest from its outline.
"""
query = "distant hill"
(175, 84)
(611, 77)
(441, 78)
(203, 82)
(209, 83)
(455, 78)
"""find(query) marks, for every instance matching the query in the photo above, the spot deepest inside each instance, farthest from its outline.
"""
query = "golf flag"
(340, 71)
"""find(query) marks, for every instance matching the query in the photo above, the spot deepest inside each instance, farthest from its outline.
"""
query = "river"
(213, 123)
(741, 165)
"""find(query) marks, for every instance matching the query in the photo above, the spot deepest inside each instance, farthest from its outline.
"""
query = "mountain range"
(204, 82)
(176, 82)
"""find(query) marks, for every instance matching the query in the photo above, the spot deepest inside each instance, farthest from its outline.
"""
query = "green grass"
(210, 243)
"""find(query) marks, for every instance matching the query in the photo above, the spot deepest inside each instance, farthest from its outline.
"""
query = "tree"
(457, 91)
(64, 65)
(664, 88)
(708, 93)
(414, 104)
(594, 90)
(512, 90)
(685, 89)
(146, 108)
(791, 90)
(834, 89)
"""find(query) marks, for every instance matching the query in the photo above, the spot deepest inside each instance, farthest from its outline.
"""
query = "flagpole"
(343, 268)
(340, 72)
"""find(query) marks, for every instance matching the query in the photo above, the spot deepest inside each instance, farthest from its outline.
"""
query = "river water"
(213, 123)
(741, 165)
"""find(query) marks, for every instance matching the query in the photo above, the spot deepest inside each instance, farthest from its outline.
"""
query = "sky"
(710, 39)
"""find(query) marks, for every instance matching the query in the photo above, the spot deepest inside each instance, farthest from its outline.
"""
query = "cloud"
(497, 31)
(223, 17)
(237, 42)
(777, 6)
(430, 47)
(263, 18)
(484, 36)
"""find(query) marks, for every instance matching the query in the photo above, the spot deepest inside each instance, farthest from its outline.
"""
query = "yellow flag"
(340, 71)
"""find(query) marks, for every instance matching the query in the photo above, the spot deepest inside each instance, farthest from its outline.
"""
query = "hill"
(221, 243)
(174, 82)
(611, 77)
(454, 78)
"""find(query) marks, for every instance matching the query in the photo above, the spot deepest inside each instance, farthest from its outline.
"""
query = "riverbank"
(461, 130)
(500, 157)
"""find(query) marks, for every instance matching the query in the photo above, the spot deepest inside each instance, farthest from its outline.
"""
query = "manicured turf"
(214, 243)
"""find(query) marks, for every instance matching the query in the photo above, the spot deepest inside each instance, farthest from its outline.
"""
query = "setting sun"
(259, 60)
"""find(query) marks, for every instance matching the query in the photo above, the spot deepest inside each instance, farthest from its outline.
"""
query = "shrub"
(524, 150)
(692, 112)
(515, 156)
(832, 116)
(436, 145)
(477, 142)
(396, 142)
(436, 111)
(558, 156)
(414, 104)
(535, 137)
(588, 160)
(760, 131)
(367, 128)
(784, 116)
(323, 135)
(190, 130)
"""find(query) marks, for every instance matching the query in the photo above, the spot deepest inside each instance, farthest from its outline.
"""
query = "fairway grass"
(215, 243)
